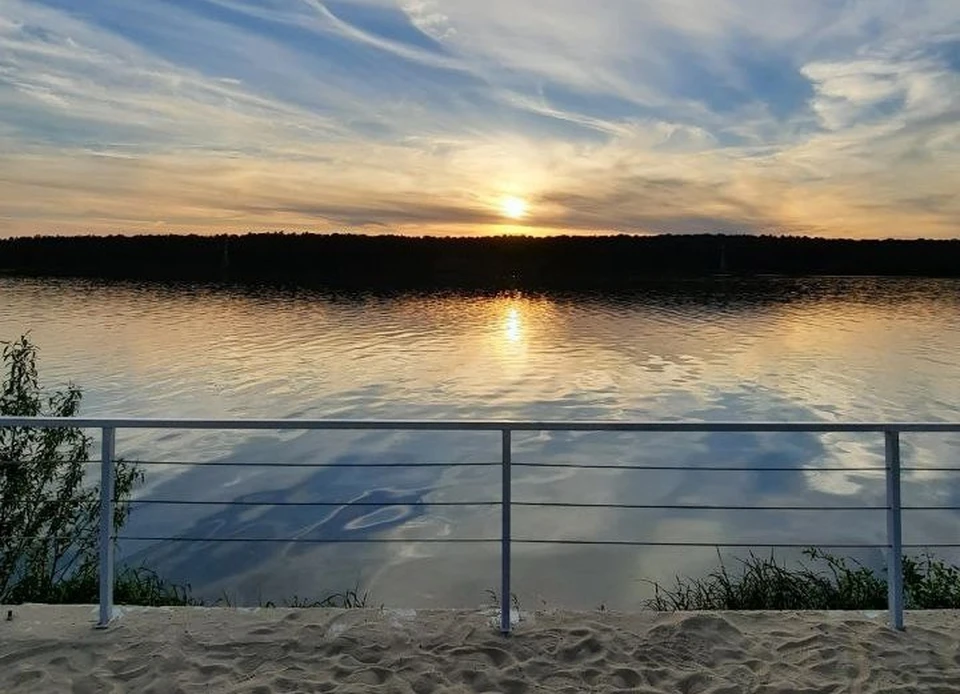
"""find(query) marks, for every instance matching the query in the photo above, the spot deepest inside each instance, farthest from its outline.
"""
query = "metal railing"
(891, 430)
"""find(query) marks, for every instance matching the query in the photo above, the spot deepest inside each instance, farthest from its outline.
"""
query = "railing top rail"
(477, 425)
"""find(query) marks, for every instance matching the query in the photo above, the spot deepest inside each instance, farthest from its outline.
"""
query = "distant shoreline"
(357, 262)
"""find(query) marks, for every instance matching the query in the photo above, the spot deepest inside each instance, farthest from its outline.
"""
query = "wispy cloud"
(802, 116)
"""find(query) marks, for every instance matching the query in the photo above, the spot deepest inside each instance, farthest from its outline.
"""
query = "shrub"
(49, 510)
(50, 504)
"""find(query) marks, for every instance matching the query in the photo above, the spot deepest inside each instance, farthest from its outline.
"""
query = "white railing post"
(108, 442)
(894, 531)
(505, 535)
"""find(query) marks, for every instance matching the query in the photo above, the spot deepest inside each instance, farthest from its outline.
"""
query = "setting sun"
(513, 207)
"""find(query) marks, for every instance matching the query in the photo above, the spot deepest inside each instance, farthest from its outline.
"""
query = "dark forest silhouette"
(347, 261)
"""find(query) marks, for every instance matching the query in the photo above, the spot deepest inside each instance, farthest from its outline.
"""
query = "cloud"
(820, 117)
(427, 17)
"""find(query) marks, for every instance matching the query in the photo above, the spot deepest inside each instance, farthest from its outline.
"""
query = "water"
(831, 349)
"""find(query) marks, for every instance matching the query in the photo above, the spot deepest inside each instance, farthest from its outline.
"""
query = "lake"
(830, 349)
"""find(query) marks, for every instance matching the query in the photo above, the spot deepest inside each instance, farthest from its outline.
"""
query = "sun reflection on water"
(513, 328)
(513, 325)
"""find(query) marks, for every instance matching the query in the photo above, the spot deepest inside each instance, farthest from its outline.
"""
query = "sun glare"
(513, 207)
(512, 325)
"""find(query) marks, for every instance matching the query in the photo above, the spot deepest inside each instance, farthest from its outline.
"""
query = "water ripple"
(763, 349)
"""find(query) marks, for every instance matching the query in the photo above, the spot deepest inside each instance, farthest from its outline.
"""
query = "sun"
(513, 207)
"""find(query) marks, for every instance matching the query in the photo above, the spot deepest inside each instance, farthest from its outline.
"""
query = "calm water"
(825, 349)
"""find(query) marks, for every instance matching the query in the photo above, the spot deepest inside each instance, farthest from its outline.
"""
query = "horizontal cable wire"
(573, 466)
(526, 504)
(673, 426)
(528, 541)
(648, 543)
(612, 543)
(690, 468)
(309, 465)
(531, 504)
(304, 540)
(576, 466)
(385, 504)
(694, 507)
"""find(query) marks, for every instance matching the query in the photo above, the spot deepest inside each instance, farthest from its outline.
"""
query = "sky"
(836, 118)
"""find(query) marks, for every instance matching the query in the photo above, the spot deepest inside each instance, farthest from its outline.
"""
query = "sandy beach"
(55, 649)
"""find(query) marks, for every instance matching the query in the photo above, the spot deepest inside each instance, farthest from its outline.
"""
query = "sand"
(55, 649)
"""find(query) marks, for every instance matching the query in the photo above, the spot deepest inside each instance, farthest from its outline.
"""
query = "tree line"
(352, 261)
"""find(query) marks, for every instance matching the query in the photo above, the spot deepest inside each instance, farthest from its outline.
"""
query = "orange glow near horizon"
(471, 118)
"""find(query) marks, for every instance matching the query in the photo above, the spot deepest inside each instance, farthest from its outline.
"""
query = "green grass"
(824, 582)
(143, 586)
(348, 599)
(133, 586)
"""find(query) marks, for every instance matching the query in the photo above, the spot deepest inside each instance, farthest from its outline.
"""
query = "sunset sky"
(825, 117)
